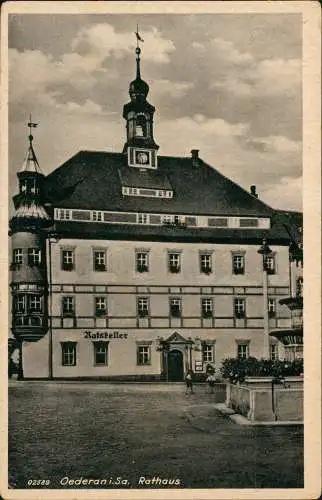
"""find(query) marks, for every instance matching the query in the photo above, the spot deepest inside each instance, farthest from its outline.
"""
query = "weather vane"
(138, 36)
(31, 125)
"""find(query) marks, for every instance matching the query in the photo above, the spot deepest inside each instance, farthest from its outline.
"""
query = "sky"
(226, 84)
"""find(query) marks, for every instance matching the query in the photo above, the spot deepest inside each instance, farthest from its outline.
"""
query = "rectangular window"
(167, 219)
(81, 215)
(97, 216)
(271, 308)
(34, 257)
(100, 353)
(143, 355)
(206, 307)
(143, 306)
(68, 303)
(208, 353)
(33, 187)
(217, 222)
(174, 262)
(179, 220)
(67, 260)
(19, 320)
(238, 264)
(35, 303)
(120, 217)
(269, 263)
(147, 192)
(142, 262)
(131, 156)
(273, 351)
(153, 159)
(142, 218)
(299, 286)
(68, 353)
(100, 306)
(239, 308)
(243, 350)
(205, 263)
(248, 222)
(99, 260)
(175, 307)
(18, 256)
(192, 221)
(19, 303)
(63, 214)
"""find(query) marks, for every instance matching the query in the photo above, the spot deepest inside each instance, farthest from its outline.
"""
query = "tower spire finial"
(31, 163)
(138, 52)
(31, 125)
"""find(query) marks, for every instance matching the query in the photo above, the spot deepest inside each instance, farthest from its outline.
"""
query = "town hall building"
(138, 266)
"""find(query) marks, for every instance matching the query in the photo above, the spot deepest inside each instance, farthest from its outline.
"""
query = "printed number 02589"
(38, 482)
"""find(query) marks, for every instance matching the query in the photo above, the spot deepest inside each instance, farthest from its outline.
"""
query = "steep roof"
(92, 180)
(30, 163)
(71, 229)
(292, 222)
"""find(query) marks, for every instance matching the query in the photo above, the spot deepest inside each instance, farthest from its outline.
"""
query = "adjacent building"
(138, 266)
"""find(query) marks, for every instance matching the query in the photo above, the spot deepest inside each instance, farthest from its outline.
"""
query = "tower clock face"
(142, 158)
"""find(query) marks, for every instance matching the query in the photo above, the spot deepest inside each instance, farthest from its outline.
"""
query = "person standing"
(211, 382)
(189, 382)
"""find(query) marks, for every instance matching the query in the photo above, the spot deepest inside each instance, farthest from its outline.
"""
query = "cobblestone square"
(132, 431)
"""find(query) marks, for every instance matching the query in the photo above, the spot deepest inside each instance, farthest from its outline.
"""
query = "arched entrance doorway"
(175, 366)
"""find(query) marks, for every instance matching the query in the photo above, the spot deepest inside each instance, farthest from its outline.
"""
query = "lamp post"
(52, 238)
(264, 251)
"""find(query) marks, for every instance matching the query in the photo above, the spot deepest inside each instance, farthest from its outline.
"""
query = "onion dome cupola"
(28, 230)
(140, 146)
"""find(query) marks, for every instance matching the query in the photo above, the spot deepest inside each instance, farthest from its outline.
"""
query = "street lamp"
(52, 237)
(265, 251)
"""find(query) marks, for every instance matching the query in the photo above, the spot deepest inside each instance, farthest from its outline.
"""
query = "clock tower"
(140, 148)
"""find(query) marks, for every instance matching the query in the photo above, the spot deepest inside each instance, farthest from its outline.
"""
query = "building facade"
(139, 266)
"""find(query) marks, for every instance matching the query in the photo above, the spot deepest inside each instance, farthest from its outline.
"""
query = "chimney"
(195, 157)
(253, 191)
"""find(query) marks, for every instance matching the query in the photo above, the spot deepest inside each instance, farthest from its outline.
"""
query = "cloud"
(81, 69)
(279, 144)
(101, 41)
(285, 195)
(40, 73)
(200, 132)
(231, 149)
(225, 49)
(199, 46)
(89, 107)
(239, 103)
(174, 89)
(272, 77)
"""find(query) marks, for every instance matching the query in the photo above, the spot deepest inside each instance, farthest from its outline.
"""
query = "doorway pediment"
(176, 338)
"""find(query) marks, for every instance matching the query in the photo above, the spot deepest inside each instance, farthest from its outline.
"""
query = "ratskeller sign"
(104, 335)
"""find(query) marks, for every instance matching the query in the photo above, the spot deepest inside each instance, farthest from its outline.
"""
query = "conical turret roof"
(30, 163)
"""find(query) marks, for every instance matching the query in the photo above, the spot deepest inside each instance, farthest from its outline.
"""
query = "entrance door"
(175, 366)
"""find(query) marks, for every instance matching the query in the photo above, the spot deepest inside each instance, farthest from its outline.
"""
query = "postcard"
(160, 193)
